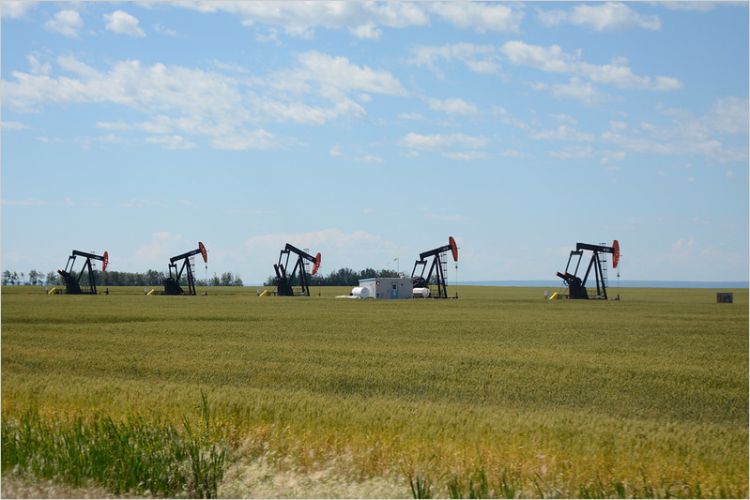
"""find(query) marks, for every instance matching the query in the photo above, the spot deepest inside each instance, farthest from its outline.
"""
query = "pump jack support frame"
(436, 267)
(172, 284)
(73, 282)
(576, 286)
(285, 281)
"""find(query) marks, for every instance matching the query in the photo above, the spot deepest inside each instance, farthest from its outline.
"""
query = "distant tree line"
(115, 278)
(342, 277)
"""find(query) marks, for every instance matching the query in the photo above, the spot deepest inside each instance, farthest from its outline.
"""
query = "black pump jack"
(73, 281)
(172, 284)
(284, 280)
(437, 267)
(576, 285)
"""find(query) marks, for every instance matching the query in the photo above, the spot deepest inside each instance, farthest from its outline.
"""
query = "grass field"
(500, 393)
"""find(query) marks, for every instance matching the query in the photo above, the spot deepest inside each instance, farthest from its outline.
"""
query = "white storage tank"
(387, 288)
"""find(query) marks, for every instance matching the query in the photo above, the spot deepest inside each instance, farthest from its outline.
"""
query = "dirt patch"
(13, 486)
(260, 479)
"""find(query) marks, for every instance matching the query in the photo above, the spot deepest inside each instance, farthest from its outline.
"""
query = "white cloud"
(506, 117)
(729, 115)
(143, 203)
(366, 32)
(163, 30)
(482, 17)
(370, 159)
(162, 246)
(439, 141)
(550, 59)
(208, 102)
(686, 135)
(37, 67)
(16, 8)
(301, 19)
(329, 84)
(575, 88)
(364, 19)
(697, 6)
(573, 153)
(553, 59)
(299, 112)
(620, 75)
(171, 141)
(73, 65)
(270, 36)
(338, 73)
(228, 108)
(483, 59)
(29, 202)
(335, 151)
(453, 106)
(608, 16)
(410, 116)
(65, 22)
(606, 157)
(466, 155)
(244, 140)
(122, 23)
(314, 239)
(515, 153)
(11, 125)
(562, 133)
(160, 124)
(48, 140)
(609, 157)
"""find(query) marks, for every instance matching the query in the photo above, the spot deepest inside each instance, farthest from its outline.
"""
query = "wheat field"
(498, 394)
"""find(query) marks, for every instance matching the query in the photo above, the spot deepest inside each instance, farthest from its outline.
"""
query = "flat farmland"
(499, 393)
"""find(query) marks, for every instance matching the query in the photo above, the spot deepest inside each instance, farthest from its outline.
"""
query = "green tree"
(35, 277)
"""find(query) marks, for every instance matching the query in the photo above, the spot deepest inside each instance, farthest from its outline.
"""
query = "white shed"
(387, 288)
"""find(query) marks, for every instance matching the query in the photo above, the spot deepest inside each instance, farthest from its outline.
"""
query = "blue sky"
(371, 131)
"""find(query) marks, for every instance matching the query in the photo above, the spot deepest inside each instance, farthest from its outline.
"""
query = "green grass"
(134, 455)
(643, 397)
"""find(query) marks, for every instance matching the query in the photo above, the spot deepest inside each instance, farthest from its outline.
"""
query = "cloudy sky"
(373, 131)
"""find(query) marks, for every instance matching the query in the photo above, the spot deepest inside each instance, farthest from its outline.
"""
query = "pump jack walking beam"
(172, 284)
(73, 282)
(285, 281)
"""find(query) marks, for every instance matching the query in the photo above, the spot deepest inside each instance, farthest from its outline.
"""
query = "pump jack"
(73, 282)
(284, 286)
(172, 284)
(439, 267)
(577, 286)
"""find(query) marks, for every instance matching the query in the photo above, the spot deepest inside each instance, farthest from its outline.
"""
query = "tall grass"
(133, 455)
(504, 483)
